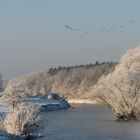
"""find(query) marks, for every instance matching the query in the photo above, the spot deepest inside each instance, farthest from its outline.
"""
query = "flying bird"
(112, 29)
(86, 32)
(70, 28)
(132, 21)
(122, 26)
(93, 28)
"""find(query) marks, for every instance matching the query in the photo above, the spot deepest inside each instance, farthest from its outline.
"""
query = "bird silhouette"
(93, 28)
(102, 31)
(70, 28)
(112, 29)
(132, 21)
(86, 32)
(121, 26)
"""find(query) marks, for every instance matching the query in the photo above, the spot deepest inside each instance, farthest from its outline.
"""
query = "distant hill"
(69, 81)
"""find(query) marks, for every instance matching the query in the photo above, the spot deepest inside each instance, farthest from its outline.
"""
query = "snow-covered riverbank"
(49, 105)
(82, 101)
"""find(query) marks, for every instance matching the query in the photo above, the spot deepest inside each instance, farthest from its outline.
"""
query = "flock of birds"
(70, 28)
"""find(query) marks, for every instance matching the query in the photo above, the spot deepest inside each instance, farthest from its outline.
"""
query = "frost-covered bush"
(23, 120)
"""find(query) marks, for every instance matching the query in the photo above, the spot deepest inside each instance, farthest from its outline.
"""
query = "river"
(87, 122)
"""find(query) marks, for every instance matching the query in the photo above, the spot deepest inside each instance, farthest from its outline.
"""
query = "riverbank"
(82, 101)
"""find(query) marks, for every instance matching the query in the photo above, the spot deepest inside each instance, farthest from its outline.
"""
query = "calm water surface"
(88, 122)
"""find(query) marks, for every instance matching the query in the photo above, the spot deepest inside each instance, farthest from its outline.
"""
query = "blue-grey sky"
(34, 34)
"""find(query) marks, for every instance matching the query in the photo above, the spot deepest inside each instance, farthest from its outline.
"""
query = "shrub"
(23, 120)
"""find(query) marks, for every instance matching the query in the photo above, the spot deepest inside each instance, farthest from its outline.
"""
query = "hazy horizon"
(36, 35)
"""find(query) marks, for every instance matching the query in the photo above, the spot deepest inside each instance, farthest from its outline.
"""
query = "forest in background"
(70, 81)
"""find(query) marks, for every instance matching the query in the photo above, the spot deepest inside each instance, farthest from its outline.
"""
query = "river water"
(87, 122)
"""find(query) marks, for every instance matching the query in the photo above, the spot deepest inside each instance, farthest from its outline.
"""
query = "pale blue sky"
(33, 36)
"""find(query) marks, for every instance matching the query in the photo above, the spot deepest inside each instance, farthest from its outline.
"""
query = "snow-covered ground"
(38, 102)
(43, 101)
(48, 104)
(82, 101)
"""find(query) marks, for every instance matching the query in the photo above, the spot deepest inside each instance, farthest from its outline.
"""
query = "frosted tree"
(1, 83)
(120, 90)
(13, 96)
